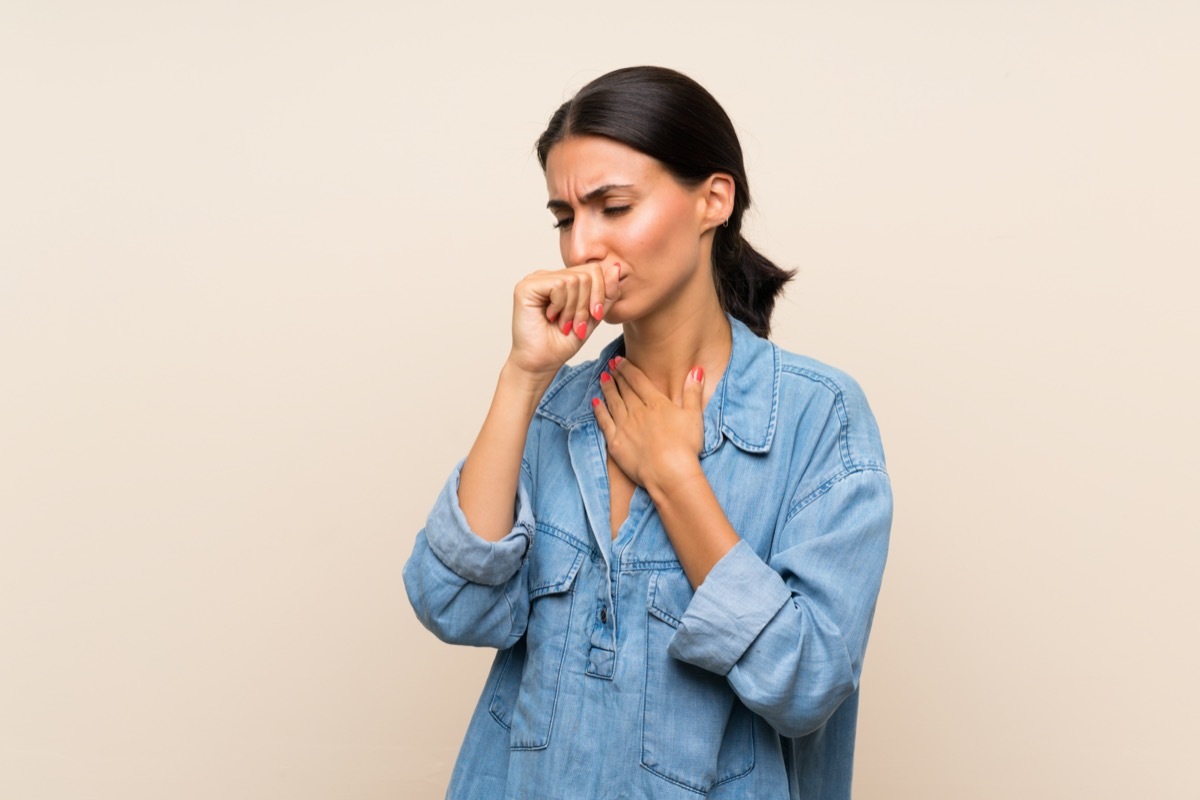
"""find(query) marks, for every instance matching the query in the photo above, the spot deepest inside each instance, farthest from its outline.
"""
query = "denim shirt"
(613, 678)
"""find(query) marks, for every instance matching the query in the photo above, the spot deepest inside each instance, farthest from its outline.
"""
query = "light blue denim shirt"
(613, 678)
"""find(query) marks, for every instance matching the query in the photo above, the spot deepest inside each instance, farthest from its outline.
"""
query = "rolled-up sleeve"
(464, 588)
(790, 634)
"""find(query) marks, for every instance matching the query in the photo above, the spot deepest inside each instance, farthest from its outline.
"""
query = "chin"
(619, 316)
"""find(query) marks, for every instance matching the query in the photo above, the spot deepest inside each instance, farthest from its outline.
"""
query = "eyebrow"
(590, 196)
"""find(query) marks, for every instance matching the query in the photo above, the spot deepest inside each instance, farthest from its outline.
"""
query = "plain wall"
(256, 263)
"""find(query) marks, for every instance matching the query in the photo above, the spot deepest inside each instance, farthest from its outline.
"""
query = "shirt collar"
(742, 408)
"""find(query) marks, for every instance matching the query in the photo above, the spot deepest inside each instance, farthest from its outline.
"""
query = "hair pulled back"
(671, 118)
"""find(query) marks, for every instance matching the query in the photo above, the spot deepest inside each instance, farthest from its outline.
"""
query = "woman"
(677, 547)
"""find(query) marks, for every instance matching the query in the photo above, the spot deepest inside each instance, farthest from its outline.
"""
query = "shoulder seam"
(826, 486)
(839, 406)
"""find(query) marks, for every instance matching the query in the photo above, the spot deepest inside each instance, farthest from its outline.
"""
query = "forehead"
(580, 163)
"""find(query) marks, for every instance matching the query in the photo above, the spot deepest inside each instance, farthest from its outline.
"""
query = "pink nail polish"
(595, 401)
(617, 361)
(605, 377)
(566, 327)
(698, 374)
(598, 311)
(581, 329)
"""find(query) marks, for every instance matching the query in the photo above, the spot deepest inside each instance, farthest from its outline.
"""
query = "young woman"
(676, 548)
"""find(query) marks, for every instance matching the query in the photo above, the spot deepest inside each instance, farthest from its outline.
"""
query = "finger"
(612, 398)
(596, 306)
(557, 297)
(603, 418)
(583, 280)
(571, 291)
(693, 390)
(629, 375)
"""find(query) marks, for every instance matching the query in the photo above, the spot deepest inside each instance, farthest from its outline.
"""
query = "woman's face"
(615, 205)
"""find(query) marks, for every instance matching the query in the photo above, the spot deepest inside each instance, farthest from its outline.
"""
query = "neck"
(666, 345)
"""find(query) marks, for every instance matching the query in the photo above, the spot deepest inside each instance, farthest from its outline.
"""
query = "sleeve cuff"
(740, 595)
(468, 554)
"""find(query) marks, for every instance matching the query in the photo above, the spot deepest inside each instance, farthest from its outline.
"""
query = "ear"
(717, 193)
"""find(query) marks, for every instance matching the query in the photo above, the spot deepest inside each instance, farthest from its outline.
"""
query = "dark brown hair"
(671, 118)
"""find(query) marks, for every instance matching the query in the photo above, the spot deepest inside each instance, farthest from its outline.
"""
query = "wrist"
(529, 384)
(672, 476)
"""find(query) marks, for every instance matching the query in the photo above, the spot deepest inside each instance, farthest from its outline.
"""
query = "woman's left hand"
(651, 438)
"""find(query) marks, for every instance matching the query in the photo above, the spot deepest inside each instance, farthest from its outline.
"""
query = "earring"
(725, 224)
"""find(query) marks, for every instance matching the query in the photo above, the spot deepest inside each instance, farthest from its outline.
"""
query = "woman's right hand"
(554, 312)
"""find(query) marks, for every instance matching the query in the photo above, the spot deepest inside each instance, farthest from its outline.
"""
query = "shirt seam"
(815, 494)
(839, 405)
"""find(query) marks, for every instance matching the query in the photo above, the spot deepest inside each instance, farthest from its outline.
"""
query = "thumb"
(693, 389)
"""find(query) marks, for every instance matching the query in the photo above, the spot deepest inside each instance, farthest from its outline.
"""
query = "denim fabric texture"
(613, 678)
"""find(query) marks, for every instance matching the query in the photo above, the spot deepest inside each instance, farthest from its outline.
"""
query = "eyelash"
(613, 211)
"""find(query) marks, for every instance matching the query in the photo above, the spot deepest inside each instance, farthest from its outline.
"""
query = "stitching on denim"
(559, 585)
(634, 565)
(839, 405)
(559, 533)
(662, 613)
(753, 752)
(645, 713)
(571, 374)
(496, 690)
(825, 487)
(642, 764)
(557, 680)
(645, 699)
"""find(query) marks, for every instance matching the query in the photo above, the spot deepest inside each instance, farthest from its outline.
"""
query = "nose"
(584, 243)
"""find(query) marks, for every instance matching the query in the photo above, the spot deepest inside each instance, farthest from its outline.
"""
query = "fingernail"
(605, 377)
(617, 361)
(618, 266)
(595, 401)
(566, 327)
(598, 311)
(553, 316)
(698, 374)
(581, 329)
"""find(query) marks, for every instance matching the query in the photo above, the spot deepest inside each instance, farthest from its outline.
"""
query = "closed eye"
(612, 211)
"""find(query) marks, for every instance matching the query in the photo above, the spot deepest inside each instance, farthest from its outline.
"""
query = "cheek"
(657, 232)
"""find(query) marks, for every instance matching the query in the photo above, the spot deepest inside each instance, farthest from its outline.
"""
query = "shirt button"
(603, 616)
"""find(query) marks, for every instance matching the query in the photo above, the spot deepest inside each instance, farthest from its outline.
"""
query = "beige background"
(255, 272)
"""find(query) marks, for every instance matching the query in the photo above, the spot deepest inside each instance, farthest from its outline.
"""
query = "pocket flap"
(670, 594)
(553, 563)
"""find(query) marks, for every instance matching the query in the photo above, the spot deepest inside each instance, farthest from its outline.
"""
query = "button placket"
(602, 655)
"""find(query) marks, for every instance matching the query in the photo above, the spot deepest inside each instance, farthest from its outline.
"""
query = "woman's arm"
(465, 578)
(488, 483)
(790, 633)
(553, 314)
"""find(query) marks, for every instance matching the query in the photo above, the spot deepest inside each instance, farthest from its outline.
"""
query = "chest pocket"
(695, 731)
(526, 696)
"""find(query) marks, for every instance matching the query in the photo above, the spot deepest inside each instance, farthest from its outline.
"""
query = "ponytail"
(747, 281)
